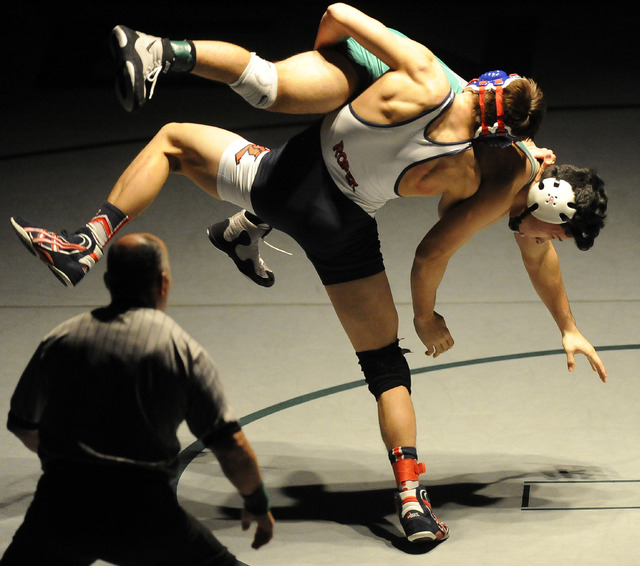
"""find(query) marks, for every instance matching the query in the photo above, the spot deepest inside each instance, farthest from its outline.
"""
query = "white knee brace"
(258, 83)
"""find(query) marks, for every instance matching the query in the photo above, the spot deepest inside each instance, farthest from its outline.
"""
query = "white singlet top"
(367, 160)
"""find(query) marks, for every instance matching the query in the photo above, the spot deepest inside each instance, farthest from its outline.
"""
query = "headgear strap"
(493, 80)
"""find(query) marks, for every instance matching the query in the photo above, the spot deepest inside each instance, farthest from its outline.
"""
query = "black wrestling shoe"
(238, 237)
(68, 257)
(140, 59)
(416, 517)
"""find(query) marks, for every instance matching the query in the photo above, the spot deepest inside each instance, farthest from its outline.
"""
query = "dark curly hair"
(591, 203)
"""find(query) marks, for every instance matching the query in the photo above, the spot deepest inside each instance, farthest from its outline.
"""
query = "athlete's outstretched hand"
(434, 335)
(575, 343)
(264, 528)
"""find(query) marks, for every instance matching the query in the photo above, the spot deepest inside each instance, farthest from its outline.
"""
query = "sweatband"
(257, 503)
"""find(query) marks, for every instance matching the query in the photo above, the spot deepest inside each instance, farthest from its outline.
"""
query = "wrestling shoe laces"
(140, 60)
(152, 77)
(68, 257)
(417, 518)
(239, 238)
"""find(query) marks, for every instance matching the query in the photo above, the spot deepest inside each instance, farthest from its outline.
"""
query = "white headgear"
(555, 200)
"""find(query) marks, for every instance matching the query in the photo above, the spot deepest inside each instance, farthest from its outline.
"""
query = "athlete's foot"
(140, 59)
(417, 518)
(68, 257)
(238, 237)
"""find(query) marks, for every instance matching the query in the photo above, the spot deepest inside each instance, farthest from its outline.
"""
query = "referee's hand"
(264, 529)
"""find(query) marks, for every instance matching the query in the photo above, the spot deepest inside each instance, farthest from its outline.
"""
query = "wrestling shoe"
(140, 59)
(68, 257)
(238, 237)
(417, 518)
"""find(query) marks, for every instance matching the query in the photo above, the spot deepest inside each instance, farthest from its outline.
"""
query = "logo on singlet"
(343, 163)
(251, 149)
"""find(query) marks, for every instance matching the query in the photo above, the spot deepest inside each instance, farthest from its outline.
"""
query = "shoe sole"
(244, 266)
(426, 536)
(27, 243)
(125, 87)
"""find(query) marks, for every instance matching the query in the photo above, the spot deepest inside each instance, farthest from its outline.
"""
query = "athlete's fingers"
(598, 366)
(443, 347)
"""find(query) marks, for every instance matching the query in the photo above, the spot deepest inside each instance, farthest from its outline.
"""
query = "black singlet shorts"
(293, 192)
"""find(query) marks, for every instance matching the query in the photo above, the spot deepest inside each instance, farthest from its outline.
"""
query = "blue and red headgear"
(499, 134)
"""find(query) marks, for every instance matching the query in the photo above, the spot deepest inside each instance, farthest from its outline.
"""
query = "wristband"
(257, 503)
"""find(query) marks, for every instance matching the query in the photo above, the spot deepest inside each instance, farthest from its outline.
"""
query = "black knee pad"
(385, 369)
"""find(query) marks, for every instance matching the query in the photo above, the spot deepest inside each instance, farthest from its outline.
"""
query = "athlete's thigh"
(196, 151)
(314, 82)
(366, 311)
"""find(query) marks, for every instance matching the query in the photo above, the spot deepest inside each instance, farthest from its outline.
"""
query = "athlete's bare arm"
(543, 267)
(341, 21)
(504, 173)
(418, 81)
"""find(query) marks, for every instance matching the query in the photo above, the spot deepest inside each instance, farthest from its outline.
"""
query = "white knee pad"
(258, 83)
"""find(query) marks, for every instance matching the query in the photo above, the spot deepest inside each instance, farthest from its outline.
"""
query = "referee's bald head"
(138, 270)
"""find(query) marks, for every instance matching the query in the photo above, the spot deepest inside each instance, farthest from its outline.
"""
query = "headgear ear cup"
(555, 201)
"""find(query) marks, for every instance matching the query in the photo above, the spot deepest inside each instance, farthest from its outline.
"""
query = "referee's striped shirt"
(108, 386)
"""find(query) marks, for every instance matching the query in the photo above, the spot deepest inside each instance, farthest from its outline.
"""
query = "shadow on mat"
(371, 510)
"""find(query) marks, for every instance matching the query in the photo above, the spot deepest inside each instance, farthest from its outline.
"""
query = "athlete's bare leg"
(193, 150)
(220, 61)
(313, 82)
(367, 312)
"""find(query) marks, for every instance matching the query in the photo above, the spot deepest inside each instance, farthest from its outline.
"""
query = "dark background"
(57, 79)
